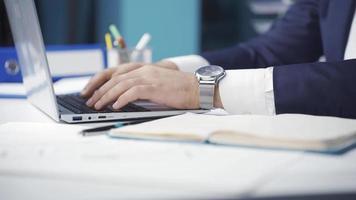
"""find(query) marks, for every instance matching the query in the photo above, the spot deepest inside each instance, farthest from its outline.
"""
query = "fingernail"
(116, 105)
(98, 105)
(83, 91)
(89, 102)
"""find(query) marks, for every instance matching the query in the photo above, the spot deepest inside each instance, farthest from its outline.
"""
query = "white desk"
(98, 167)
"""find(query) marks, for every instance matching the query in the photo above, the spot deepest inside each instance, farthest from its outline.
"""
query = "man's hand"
(100, 78)
(130, 82)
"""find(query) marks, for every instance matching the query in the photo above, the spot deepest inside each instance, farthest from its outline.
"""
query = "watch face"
(210, 71)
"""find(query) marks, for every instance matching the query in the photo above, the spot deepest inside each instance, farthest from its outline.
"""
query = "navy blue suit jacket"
(309, 29)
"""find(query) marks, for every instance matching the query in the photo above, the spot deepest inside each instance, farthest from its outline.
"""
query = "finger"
(100, 78)
(144, 92)
(115, 92)
(102, 90)
(144, 72)
(96, 81)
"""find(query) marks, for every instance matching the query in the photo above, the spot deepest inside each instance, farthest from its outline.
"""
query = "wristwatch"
(208, 77)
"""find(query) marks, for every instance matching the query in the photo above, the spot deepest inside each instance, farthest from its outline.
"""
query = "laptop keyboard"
(76, 104)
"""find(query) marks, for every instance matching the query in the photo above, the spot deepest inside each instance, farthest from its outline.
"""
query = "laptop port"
(102, 117)
(77, 118)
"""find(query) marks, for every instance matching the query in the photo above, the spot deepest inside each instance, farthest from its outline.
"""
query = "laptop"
(37, 80)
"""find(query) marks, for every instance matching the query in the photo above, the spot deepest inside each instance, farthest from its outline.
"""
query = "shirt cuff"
(248, 91)
(189, 63)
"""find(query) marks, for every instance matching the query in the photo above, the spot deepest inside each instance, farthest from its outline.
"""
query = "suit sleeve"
(294, 38)
(327, 88)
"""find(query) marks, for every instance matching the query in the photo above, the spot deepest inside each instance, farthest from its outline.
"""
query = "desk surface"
(98, 167)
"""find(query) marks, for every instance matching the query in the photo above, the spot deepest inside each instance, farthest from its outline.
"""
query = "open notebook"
(286, 131)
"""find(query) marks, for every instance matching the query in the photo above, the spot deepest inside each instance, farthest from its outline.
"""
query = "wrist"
(193, 98)
(217, 98)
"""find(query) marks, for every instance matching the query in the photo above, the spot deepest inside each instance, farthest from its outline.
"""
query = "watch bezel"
(209, 78)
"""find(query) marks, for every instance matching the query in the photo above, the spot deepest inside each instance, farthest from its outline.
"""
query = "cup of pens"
(118, 53)
(134, 55)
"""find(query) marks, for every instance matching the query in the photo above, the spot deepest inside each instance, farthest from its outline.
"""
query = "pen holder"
(117, 56)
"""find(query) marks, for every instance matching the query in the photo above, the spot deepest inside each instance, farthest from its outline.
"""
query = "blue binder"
(9, 53)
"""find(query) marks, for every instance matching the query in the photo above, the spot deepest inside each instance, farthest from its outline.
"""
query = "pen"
(142, 43)
(123, 54)
(116, 34)
(101, 129)
(108, 41)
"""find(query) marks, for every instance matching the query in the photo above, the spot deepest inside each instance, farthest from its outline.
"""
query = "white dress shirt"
(350, 51)
(250, 91)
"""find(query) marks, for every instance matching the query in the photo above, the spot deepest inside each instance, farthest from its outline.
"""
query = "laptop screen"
(31, 53)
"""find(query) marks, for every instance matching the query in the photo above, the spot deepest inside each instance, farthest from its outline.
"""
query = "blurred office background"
(177, 27)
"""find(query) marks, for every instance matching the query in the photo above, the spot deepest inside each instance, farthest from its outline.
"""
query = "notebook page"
(285, 127)
(288, 131)
(189, 126)
(290, 126)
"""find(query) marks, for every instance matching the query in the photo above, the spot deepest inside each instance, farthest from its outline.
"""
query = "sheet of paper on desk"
(37, 132)
(35, 141)
(56, 151)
